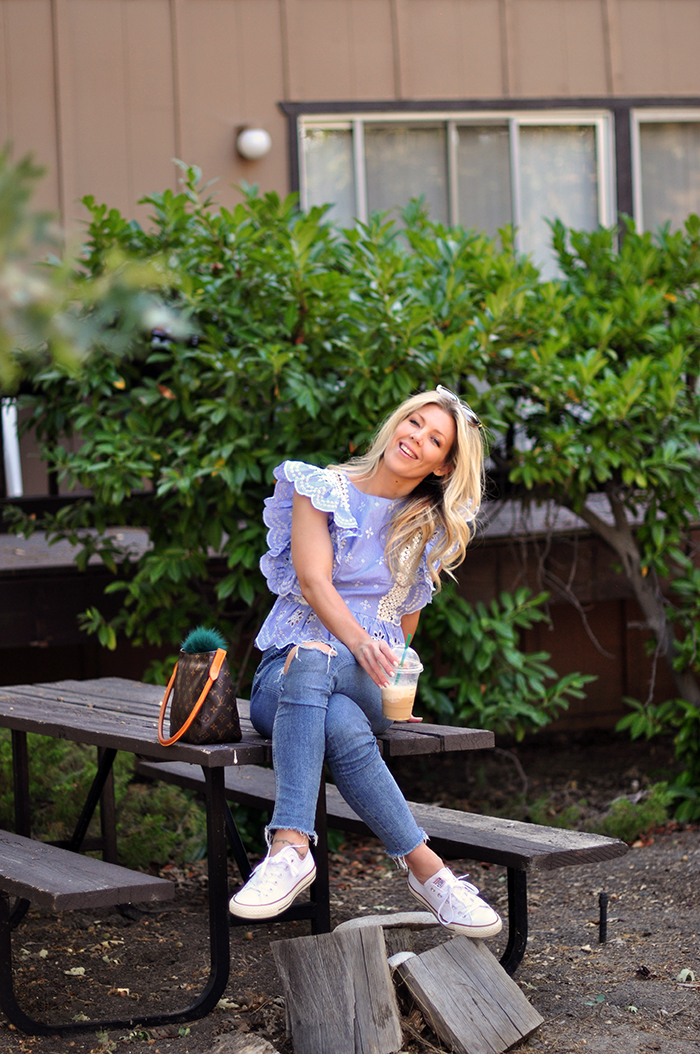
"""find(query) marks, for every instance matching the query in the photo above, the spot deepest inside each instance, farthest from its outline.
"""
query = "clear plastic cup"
(398, 698)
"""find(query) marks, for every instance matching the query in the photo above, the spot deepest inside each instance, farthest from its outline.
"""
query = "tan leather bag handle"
(214, 671)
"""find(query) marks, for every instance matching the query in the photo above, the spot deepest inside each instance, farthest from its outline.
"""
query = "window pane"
(483, 177)
(670, 172)
(558, 180)
(329, 172)
(403, 162)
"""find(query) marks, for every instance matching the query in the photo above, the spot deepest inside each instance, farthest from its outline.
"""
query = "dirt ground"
(638, 992)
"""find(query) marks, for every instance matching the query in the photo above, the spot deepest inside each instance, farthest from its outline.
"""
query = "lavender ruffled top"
(356, 522)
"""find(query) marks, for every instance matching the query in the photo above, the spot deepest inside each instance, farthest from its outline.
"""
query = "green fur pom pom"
(203, 639)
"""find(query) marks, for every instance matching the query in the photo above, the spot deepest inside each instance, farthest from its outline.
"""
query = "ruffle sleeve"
(328, 492)
(421, 591)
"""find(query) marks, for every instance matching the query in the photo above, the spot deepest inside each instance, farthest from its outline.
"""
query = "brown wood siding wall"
(107, 92)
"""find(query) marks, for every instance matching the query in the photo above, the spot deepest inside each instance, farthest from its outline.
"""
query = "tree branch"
(621, 540)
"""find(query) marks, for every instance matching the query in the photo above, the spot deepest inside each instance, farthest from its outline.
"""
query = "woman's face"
(421, 444)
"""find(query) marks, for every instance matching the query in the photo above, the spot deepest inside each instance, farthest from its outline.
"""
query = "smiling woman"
(429, 451)
(355, 552)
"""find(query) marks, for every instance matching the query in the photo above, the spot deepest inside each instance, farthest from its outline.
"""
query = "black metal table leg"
(104, 770)
(20, 778)
(320, 890)
(517, 920)
(108, 816)
(8, 1003)
(217, 868)
(23, 820)
(240, 853)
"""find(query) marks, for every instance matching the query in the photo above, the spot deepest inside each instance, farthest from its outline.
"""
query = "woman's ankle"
(423, 863)
(296, 839)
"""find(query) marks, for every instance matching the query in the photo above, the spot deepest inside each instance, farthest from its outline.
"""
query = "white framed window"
(665, 166)
(479, 170)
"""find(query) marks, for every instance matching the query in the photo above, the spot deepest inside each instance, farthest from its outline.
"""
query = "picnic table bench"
(58, 880)
(517, 846)
(115, 714)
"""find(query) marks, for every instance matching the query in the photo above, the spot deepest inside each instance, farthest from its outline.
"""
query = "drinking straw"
(398, 669)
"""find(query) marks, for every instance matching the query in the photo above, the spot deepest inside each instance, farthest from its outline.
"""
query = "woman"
(355, 553)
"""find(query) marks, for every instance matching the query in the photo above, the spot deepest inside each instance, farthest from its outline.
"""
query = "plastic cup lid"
(411, 661)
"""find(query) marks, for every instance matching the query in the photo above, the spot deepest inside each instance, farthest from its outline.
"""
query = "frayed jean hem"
(400, 858)
(270, 832)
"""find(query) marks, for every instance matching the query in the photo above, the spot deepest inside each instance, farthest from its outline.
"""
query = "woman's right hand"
(377, 659)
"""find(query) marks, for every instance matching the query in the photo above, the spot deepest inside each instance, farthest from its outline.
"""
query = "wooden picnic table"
(115, 714)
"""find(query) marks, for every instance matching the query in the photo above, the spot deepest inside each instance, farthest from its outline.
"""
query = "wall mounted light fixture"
(253, 143)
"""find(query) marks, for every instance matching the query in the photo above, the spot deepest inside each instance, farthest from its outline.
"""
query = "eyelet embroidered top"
(356, 523)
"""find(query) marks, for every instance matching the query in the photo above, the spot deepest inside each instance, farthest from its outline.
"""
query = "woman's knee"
(348, 730)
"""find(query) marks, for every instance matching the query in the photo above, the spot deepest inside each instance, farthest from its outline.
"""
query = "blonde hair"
(442, 509)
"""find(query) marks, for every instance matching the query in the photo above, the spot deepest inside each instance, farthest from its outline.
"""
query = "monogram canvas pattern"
(217, 720)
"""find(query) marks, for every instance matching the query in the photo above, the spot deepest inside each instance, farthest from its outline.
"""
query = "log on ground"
(467, 998)
(338, 993)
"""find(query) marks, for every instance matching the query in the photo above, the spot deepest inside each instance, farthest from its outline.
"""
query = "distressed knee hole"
(319, 645)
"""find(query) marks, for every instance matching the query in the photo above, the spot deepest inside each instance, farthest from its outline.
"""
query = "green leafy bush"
(629, 820)
(305, 341)
(626, 818)
(682, 720)
(50, 314)
(157, 823)
(541, 811)
(489, 681)
(60, 775)
(306, 337)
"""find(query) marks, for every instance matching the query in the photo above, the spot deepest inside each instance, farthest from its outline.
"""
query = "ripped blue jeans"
(326, 707)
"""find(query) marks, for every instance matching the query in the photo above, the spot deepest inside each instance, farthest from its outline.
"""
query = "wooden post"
(467, 998)
(338, 992)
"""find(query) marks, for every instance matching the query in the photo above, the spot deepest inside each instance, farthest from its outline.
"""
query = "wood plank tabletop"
(123, 714)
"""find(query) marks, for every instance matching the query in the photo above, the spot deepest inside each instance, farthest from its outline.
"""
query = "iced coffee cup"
(398, 697)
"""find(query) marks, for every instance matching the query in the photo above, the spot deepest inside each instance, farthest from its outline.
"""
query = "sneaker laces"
(459, 896)
(258, 873)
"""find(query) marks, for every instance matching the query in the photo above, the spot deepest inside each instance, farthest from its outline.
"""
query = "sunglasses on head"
(471, 417)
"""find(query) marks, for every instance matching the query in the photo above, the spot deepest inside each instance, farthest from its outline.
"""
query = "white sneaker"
(456, 904)
(273, 885)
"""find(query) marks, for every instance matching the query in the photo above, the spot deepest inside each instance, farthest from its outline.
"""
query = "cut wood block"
(467, 997)
(338, 992)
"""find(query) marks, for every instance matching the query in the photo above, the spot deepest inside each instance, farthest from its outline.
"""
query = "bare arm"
(312, 556)
(409, 624)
